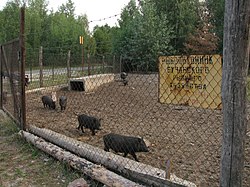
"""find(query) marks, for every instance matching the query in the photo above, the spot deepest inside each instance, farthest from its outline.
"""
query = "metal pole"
(22, 60)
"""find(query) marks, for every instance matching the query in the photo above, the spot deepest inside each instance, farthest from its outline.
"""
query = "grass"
(22, 164)
(57, 79)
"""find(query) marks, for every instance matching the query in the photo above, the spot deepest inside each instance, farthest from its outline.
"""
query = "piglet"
(124, 144)
(63, 102)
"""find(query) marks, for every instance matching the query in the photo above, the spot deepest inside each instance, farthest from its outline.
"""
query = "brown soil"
(190, 137)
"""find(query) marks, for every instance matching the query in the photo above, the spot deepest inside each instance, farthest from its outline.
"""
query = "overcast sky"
(94, 9)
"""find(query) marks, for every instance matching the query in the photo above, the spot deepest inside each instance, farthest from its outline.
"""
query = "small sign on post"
(81, 40)
(81, 43)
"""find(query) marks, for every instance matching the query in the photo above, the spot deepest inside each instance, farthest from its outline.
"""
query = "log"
(96, 172)
(129, 168)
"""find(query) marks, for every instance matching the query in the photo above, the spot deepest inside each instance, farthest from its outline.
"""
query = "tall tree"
(10, 24)
(102, 35)
(127, 38)
(35, 20)
(143, 36)
(68, 9)
(202, 40)
(182, 16)
(216, 10)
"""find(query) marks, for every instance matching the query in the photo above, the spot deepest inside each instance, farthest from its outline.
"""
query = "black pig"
(124, 144)
(89, 122)
(124, 75)
(63, 102)
(48, 102)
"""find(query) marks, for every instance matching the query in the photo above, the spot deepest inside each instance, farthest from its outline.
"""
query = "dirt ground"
(23, 165)
(190, 137)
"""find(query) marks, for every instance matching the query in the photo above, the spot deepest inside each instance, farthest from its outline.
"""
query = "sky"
(94, 9)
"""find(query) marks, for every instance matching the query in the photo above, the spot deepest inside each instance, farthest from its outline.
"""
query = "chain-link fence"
(11, 79)
(165, 114)
(174, 109)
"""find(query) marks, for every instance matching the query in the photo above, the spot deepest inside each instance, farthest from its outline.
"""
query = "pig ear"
(140, 140)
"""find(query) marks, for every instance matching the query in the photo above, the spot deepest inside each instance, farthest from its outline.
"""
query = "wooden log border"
(131, 169)
(96, 172)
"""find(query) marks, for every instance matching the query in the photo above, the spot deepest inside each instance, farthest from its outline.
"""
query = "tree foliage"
(183, 17)
(146, 29)
(216, 10)
(9, 24)
(203, 40)
(103, 39)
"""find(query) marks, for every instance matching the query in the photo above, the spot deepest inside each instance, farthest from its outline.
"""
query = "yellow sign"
(81, 40)
(191, 80)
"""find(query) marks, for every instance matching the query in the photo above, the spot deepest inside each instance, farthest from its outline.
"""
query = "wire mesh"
(11, 79)
(160, 114)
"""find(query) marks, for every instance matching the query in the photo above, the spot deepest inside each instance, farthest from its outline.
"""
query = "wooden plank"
(234, 80)
(96, 172)
(127, 167)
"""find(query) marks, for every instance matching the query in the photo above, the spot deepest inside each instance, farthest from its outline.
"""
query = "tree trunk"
(234, 80)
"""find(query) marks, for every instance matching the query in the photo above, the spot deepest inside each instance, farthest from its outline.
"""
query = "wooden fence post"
(113, 65)
(88, 64)
(41, 66)
(22, 60)
(103, 63)
(53, 70)
(120, 63)
(234, 80)
(68, 65)
(1, 79)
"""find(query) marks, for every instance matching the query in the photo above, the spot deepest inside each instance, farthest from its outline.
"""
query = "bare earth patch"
(190, 137)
